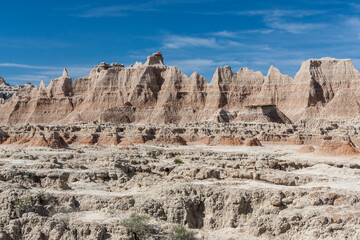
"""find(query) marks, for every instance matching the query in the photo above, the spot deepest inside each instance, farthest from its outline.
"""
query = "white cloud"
(19, 65)
(286, 20)
(292, 27)
(44, 73)
(279, 13)
(355, 6)
(354, 24)
(278, 19)
(226, 34)
(32, 42)
(127, 9)
(115, 11)
(16, 65)
(29, 78)
(50, 70)
(176, 41)
(240, 34)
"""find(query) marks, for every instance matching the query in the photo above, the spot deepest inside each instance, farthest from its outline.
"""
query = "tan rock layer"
(155, 93)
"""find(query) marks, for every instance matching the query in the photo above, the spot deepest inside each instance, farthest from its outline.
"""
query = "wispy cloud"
(116, 11)
(355, 6)
(354, 25)
(292, 27)
(44, 73)
(127, 9)
(279, 20)
(50, 70)
(32, 42)
(33, 78)
(17, 65)
(286, 20)
(227, 34)
(281, 13)
(175, 41)
(238, 34)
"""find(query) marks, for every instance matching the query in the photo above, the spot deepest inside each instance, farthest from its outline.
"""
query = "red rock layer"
(333, 148)
(252, 142)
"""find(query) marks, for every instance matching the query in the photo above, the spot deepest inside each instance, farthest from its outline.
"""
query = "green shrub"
(41, 193)
(136, 226)
(23, 204)
(180, 233)
(178, 161)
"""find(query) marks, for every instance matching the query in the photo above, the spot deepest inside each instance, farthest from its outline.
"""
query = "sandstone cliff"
(155, 93)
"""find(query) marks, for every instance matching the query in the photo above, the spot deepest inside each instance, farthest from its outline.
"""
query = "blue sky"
(39, 38)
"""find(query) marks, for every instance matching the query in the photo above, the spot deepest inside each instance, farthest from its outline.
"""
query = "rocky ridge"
(7, 91)
(160, 94)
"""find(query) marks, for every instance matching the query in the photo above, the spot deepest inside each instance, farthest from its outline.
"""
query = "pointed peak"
(2, 81)
(195, 74)
(273, 70)
(65, 73)
(155, 59)
(42, 86)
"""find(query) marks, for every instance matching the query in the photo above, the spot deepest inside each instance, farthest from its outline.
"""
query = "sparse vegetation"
(180, 233)
(136, 226)
(178, 161)
(67, 209)
(41, 193)
(23, 205)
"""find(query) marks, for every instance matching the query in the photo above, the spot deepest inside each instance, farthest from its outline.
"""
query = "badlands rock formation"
(245, 156)
(7, 91)
(324, 88)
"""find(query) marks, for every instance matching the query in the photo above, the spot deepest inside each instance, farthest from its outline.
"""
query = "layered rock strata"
(324, 88)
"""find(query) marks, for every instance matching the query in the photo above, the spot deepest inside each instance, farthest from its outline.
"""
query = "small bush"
(180, 233)
(41, 193)
(23, 204)
(178, 161)
(136, 226)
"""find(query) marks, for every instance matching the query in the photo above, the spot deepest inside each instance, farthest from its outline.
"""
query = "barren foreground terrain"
(222, 190)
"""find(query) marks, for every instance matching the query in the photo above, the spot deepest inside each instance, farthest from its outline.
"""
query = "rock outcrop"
(7, 91)
(2, 82)
(152, 92)
(253, 142)
(335, 148)
(306, 149)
